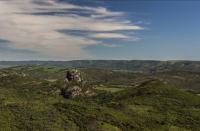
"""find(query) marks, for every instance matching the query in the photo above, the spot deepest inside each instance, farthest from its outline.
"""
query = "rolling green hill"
(123, 101)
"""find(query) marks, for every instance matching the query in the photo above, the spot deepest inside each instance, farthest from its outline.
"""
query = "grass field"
(109, 89)
(31, 102)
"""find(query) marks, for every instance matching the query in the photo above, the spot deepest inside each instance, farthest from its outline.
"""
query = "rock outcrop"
(72, 91)
(74, 85)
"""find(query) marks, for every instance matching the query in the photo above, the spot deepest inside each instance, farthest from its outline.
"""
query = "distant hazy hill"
(132, 65)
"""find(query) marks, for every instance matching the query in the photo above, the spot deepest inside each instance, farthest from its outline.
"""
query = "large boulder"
(71, 92)
(73, 75)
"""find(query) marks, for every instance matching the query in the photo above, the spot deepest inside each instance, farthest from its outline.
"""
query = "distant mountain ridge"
(126, 65)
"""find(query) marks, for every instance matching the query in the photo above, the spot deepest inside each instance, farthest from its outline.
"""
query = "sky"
(99, 29)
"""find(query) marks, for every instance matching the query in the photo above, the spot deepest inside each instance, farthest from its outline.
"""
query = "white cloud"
(39, 33)
(111, 45)
(109, 35)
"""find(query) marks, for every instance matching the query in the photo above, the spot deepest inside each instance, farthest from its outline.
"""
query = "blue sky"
(99, 29)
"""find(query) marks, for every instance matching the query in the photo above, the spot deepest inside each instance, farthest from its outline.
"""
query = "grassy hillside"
(140, 66)
(124, 101)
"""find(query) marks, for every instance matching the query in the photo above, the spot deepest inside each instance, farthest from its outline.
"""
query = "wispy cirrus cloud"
(34, 25)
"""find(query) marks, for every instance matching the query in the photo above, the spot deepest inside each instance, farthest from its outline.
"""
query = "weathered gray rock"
(73, 75)
(71, 92)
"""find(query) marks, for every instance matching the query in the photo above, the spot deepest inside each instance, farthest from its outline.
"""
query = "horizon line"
(175, 60)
